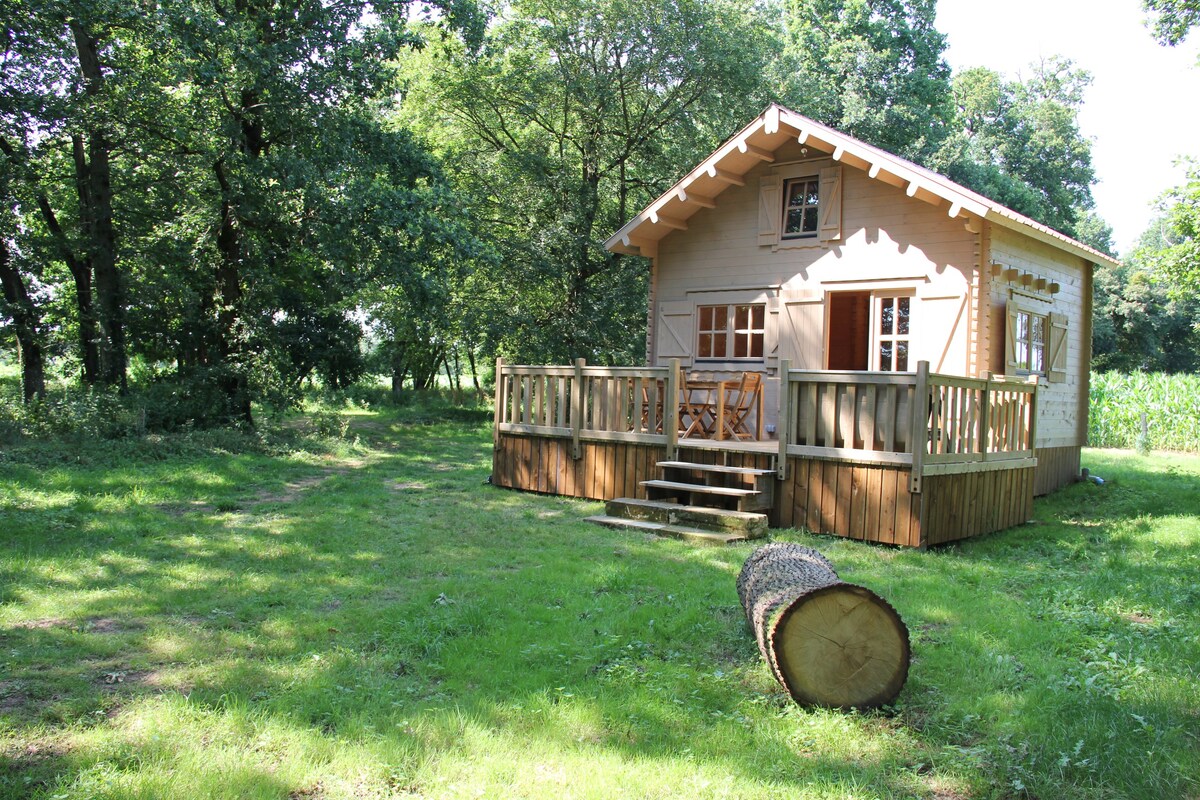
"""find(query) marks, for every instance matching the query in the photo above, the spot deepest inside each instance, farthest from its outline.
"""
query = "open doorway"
(849, 330)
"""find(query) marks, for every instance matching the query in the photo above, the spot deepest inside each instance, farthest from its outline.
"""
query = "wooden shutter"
(675, 332)
(770, 209)
(830, 205)
(771, 332)
(1056, 350)
(1010, 339)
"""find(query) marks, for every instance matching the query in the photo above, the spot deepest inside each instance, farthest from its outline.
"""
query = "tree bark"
(93, 174)
(829, 643)
(233, 383)
(26, 327)
(80, 269)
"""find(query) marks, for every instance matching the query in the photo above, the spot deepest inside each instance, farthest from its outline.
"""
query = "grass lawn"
(205, 617)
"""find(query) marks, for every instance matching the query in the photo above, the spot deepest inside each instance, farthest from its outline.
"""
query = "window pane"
(1023, 354)
(1022, 326)
(885, 316)
(902, 304)
(756, 345)
(720, 317)
(741, 317)
(795, 194)
(795, 219)
(1038, 329)
(706, 318)
(810, 219)
(810, 193)
(1036, 358)
(741, 344)
(902, 356)
(758, 317)
(705, 350)
(718, 346)
(885, 356)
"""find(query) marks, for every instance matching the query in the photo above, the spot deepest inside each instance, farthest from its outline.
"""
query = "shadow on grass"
(402, 603)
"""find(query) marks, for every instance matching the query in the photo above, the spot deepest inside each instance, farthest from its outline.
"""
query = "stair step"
(700, 516)
(715, 468)
(698, 488)
(692, 535)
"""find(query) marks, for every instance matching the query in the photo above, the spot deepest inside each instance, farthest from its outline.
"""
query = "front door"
(849, 330)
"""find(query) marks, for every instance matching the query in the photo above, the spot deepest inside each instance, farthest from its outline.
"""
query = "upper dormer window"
(800, 207)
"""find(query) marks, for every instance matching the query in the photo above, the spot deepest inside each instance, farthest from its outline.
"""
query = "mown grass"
(293, 616)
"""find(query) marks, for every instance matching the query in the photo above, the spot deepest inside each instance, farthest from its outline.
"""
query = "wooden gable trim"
(729, 163)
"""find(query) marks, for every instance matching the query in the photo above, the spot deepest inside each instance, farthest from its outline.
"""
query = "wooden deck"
(843, 456)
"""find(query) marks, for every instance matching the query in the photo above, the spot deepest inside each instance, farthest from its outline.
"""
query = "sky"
(1142, 111)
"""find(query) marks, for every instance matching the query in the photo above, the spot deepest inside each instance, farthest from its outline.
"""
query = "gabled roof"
(758, 141)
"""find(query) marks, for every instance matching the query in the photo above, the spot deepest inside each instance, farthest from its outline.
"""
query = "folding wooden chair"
(736, 401)
(696, 417)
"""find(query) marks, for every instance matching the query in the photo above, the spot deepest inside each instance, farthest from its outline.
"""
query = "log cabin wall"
(1062, 398)
(863, 502)
(889, 243)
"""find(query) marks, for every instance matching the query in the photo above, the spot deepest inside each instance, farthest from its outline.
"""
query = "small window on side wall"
(801, 201)
(1036, 342)
(730, 332)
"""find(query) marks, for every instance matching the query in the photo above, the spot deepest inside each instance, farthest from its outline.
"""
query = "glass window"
(731, 331)
(800, 208)
(893, 323)
(1029, 349)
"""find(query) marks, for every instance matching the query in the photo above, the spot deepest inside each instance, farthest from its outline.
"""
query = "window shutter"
(1056, 353)
(830, 204)
(675, 332)
(771, 333)
(770, 209)
(1010, 339)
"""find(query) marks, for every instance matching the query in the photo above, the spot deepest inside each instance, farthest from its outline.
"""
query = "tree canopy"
(211, 203)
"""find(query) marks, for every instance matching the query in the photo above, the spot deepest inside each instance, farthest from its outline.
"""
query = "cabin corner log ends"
(828, 642)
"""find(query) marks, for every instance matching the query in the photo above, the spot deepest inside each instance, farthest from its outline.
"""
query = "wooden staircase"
(701, 503)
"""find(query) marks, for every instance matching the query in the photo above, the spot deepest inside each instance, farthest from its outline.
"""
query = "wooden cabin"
(922, 352)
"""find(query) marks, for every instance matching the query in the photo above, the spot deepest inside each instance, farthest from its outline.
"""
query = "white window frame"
(788, 183)
(878, 337)
(731, 332)
(1025, 344)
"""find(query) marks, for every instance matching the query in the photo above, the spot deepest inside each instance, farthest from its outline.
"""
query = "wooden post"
(670, 420)
(577, 406)
(919, 426)
(497, 412)
(1033, 415)
(985, 422)
(783, 421)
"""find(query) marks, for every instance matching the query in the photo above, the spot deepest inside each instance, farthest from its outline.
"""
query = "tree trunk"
(25, 326)
(81, 273)
(233, 383)
(829, 643)
(94, 180)
(474, 374)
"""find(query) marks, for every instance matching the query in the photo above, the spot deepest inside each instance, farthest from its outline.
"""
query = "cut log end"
(828, 642)
(842, 647)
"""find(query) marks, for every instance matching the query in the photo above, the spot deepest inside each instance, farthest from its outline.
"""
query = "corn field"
(1171, 404)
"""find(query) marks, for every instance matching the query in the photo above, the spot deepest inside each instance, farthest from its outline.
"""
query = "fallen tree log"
(828, 642)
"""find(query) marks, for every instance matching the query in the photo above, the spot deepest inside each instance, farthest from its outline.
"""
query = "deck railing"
(929, 422)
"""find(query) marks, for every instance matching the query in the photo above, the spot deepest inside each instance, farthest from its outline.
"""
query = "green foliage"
(570, 118)
(1172, 20)
(1018, 142)
(871, 69)
(1173, 245)
(1170, 403)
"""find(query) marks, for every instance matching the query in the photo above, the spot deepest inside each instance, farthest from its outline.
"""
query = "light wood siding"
(1062, 405)
(889, 242)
